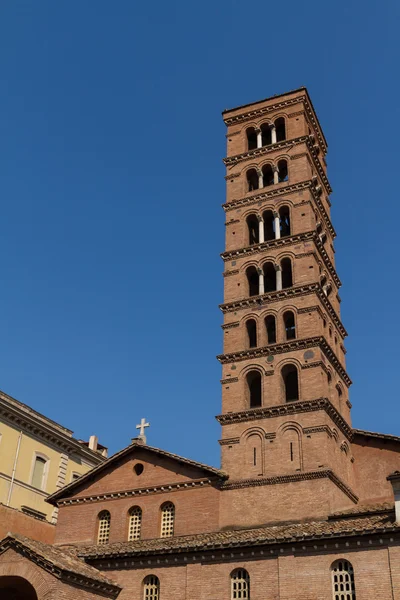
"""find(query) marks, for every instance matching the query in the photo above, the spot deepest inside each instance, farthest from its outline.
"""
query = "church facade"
(304, 506)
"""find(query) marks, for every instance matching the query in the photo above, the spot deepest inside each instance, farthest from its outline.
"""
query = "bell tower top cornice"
(252, 110)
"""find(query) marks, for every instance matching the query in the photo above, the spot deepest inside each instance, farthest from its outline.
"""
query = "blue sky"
(111, 183)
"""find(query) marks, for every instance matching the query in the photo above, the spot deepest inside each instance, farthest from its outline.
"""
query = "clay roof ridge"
(374, 434)
(257, 536)
(135, 444)
(53, 558)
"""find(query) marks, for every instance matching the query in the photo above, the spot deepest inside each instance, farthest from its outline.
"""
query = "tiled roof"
(115, 457)
(381, 436)
(277, 534)
(55, 559)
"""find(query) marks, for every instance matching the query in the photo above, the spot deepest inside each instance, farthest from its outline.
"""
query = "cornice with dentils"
(295, 291)
(256, 113)
(305, 139)
(282, 191)
(291, 346)
(286, 241)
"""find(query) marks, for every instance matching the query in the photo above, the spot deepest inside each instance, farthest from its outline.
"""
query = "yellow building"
(37, 457)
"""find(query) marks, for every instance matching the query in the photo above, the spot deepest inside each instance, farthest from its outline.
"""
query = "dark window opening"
(269, 232)
(284, 217)
(269, 277)
(254, 387)
(268, 175)
(252, 180)
(252, 278)
(252, 224)
(280, 130)
(287, 278)
(266, 134)
(270, 325)
(251, 138)
(282, 171)
(290, 327)
(251, 327)
(290, 382)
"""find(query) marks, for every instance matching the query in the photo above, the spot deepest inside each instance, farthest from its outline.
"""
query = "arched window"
(269, 277)
(103, 534)
(151, 588)
(290, 383)
(266, 134)
(252, 180)
(252, 224)
(135, 523)
(167, 520)
(254, 388)
(283, 174)
(270, 326)
(268, 218)
(343, 586)
(251, 327)
(287, 277)
(251, 138)
(240, 585)
(284, 218)
(280, 129)
(329, 377)
(268, 175)
(38, 473)
(290, 327)
(253, 281)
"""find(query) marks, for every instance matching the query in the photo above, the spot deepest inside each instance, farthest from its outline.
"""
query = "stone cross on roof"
(142, 427)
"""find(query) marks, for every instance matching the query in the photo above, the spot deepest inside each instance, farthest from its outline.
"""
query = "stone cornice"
(291, 346)
(294, 477)
(229, 380)
(137, 493)
(30, 424)
(303, 290)
(260, 112)
(286, 191)
(288, 409)
(283, 241)
(230, 325)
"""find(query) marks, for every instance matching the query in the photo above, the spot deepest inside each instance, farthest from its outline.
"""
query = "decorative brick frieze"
(260, 112)
(229, 273)
(308, 236)
(295, 291)
(299, 344)
(290, 408)
(230, 325)
(281, 479)
(136, 493)
(229, 380)
(229, 441)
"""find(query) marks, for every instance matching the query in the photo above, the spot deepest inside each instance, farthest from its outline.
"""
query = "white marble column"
(278, 278)
(276, 174)
(259, 138)
(277, 225)
(273, 133)
(260, 180)
(260, 281)
(260, 229)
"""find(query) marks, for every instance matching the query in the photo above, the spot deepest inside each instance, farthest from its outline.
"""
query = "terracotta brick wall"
(15, 521)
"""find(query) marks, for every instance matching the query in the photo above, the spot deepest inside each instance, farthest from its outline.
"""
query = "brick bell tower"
(285, 407)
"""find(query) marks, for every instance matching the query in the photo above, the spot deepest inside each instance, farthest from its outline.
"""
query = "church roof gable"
(96, 472)
(60, 563)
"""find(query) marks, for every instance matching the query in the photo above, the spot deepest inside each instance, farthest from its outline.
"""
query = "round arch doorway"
(16, 588)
